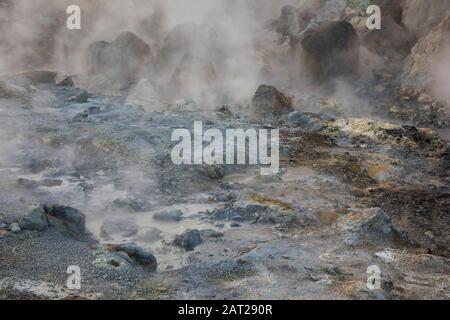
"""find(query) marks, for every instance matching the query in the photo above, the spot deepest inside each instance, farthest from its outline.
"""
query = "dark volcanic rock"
(391, 8)
(173, 215)
(138, 255)
(66, 82)
(35, 220)
(66, 219)
(189, 239)
(331, 50)
(392, 40)
(122, 60)
(268, 101)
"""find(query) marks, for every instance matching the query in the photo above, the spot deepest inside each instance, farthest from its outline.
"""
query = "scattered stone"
(169, 216)
(264, 210)
(35, 220)
(368, 223)
(268, 101)
(188, 240)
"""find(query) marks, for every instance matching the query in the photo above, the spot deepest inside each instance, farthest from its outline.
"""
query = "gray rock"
(305, 121)
(66, 82)
(167, 216)
(35, 220)
(189, 240)
(331, 50)
(268, 101)
(14, 227)
(66, 219)
(138, 255)
(122, 59)
(371, 223)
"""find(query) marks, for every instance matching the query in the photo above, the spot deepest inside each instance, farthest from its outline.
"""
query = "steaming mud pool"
(351, 193)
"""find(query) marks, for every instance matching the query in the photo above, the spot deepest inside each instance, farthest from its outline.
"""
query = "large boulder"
(331, 50)
(421, 16)
(137, 255)
(35, 220)
(190, 78)
(124, 59)
(426, 68)
(371, 224)
(268, 101)
(393, 40)
(66, 219)
(188, 40)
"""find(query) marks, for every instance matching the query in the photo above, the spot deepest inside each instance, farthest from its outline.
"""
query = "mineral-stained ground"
(87, 178)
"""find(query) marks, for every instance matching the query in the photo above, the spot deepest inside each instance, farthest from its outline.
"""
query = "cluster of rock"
(413, 40)
(63, 218)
